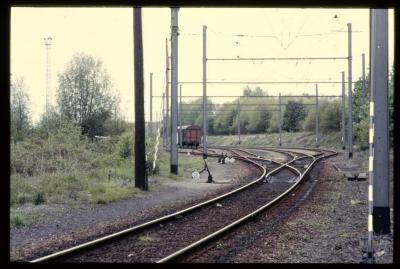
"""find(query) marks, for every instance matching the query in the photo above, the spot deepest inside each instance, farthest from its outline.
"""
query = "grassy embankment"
(67, 169)
(300, 139)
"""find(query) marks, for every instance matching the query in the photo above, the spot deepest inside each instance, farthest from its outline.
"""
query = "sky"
(107, 34)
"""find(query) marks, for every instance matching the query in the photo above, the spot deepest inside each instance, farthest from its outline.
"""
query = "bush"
(309, 122)
(330, 117)
(125, 145)
(39, 198)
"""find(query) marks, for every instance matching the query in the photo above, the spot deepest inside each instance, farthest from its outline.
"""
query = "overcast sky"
(107, 33)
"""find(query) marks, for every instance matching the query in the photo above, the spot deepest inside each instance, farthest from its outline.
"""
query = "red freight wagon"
(191, 136)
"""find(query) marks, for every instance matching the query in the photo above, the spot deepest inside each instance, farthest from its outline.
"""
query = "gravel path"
(67, 225)
(328, 226)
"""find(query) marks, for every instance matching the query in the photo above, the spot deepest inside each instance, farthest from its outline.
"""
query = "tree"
(330, 116)
(20, 113)
(295, 112)
(84, 94)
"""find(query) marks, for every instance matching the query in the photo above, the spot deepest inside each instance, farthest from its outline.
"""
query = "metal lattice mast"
(48, 43)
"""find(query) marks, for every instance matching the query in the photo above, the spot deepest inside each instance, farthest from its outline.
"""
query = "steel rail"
(259, 158)
(164, 218)
(241, 220)
(152, 222)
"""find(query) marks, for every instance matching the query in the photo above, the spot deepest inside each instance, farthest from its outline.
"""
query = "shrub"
(39, 198)
(330, 117)
(125, 145)
(19, 220)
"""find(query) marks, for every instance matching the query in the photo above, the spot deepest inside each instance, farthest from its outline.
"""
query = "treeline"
(259, 113)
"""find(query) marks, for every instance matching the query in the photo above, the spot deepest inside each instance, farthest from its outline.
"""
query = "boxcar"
(191, 136)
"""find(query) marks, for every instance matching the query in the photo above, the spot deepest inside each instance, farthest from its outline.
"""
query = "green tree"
(20, 112)
(295, 113)
(84, 94)
(330, 116)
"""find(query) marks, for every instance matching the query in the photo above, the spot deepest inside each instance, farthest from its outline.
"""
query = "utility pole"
(164, 125)
(363, 78)
(350, 89)
(140, 147)
(151, 102)
(180, 116)
(168, 126)
(343, 112)
(48, 42)
(380, 107)
(280, 120)
(238, 120)
(205, 111)
(316, 116)
(174, 90)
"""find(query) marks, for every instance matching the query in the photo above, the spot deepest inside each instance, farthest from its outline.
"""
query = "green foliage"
(125, 145)
(361, 112)
(84, 94)
(330, 116)
(295, 112)
(309, 122)
(17, 220)
(39, 198)
(20, 122)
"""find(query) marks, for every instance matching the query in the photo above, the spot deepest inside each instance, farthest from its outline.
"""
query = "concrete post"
(238, 121)
(343, 112)
(167, 122)
(316, 116)
(180, 116)
(151, 102)
(280, 120)
(379, 87)
(350, 89)
(174, 90)
(205, 110)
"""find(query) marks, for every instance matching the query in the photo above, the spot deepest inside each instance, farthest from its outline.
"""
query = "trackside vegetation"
(82, 150)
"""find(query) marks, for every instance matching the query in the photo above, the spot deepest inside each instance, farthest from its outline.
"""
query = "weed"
(19, 220)
(39, 198)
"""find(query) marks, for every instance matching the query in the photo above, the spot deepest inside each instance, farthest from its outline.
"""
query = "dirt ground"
(66, 225)
(326, 225)
(329, 227)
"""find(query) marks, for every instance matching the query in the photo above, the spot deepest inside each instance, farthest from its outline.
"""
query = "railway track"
(173, 236)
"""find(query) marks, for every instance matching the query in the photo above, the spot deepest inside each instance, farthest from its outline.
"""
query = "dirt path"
(67, 225)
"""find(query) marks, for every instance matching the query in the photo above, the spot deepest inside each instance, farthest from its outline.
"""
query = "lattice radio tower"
(48, 43)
